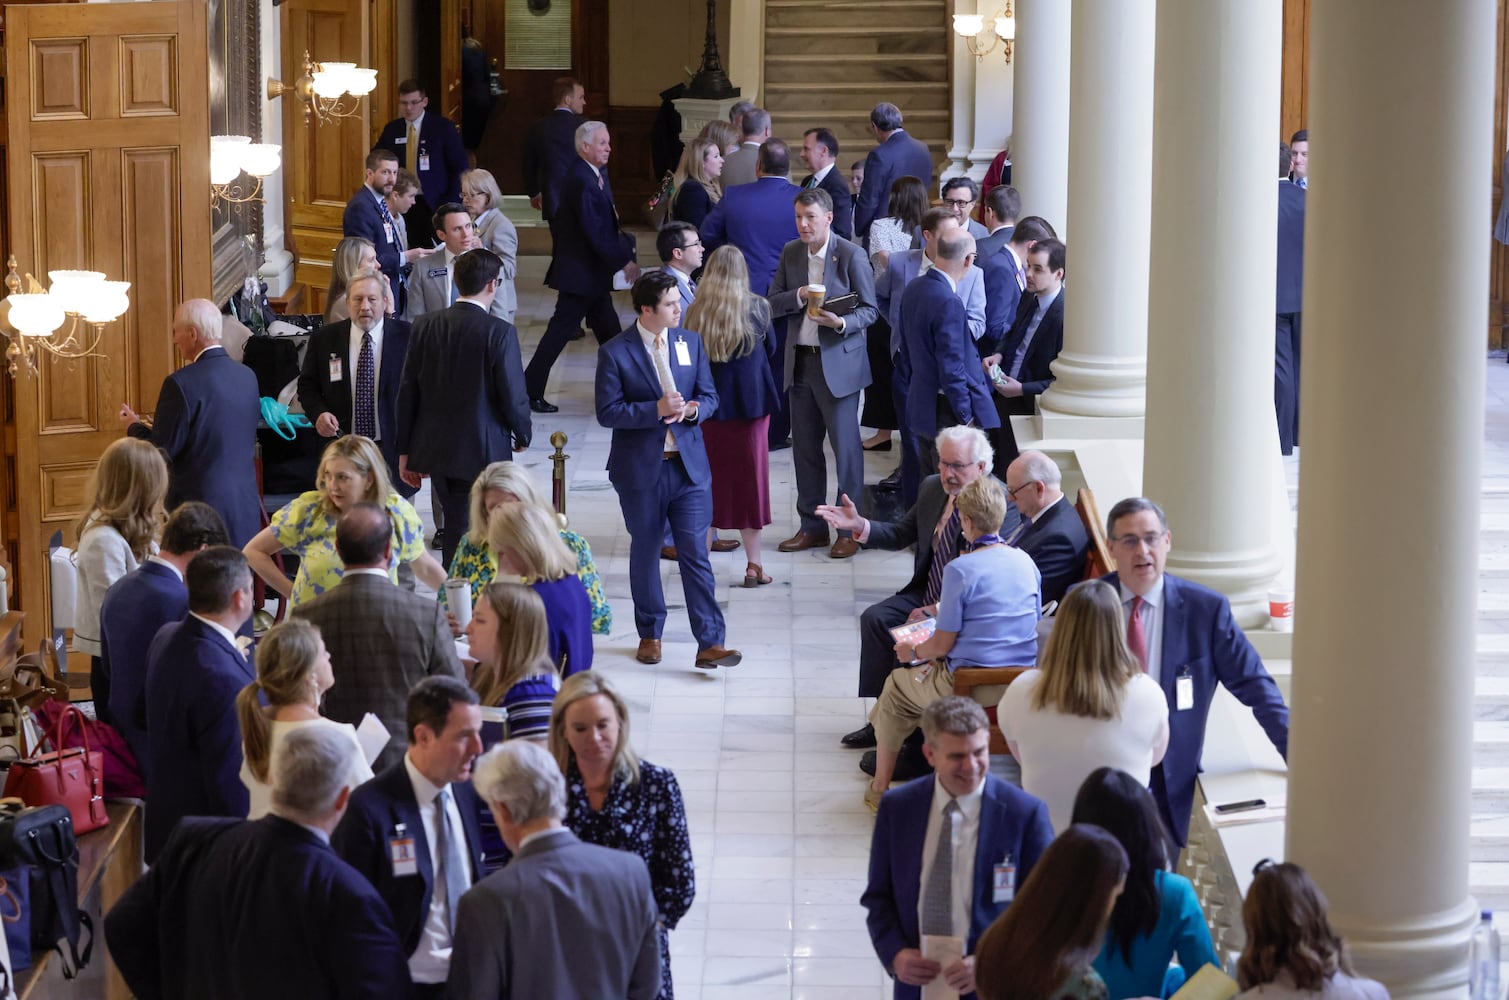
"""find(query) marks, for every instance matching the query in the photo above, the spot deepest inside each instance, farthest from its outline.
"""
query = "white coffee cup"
(458, 597)
(816, 295)
(1281, 610)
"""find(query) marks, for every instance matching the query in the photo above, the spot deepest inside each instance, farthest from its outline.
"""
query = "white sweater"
(102, 558)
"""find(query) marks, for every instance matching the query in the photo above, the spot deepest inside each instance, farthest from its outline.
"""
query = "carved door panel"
(108, 167)
(449, 97)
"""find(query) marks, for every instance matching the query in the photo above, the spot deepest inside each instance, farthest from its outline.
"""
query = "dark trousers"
(429, 991)
(688, 506)
(99, 687)
(457, 504)
(911, 465)
(570, 310)
(780, 417)
(927, 445)
(1286, 380)
(815, 411)
(877, 647)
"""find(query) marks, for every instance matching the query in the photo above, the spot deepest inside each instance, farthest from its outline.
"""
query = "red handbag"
(72, 777)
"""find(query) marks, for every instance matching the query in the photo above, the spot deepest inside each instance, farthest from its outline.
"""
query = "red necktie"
(1137, 635)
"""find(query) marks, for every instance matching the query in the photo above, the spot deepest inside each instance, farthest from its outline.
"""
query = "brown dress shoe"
(725, 545)
(649, 651)
(714, 657)
(843, 548)
(668, 553)
(804, 540)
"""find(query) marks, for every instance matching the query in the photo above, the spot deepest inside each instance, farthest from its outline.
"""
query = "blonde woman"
(733, 323)
(616, 800)
(528, 546)
(293, 674)
(696, 182)
(484, 203)
(507, 482)
(722, 134)
(123, 517)
(1089, 705)
(352, 254)
(351, 471)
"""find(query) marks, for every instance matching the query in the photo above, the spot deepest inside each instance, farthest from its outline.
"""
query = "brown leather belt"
(672, 454)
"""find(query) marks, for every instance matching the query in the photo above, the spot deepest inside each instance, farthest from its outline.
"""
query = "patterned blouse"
(305, 528)
(649, 820)
(477, 563)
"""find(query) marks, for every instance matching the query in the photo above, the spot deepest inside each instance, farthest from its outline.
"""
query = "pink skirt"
(739, 453)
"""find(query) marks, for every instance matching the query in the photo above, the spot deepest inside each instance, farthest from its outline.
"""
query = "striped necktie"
(943, 550)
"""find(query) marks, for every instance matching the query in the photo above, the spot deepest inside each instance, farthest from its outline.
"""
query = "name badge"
(387, 231)
(1004, 881)
(424, 162)
(683, 354)
(436, 272)
(402, 140)
(336, 369)
(1184, 693)
(401, 852)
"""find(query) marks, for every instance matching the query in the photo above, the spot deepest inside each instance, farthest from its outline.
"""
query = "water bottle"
(1484, 981)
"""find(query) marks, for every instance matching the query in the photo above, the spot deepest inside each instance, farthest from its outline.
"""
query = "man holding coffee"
(382, 639)
(824, 291)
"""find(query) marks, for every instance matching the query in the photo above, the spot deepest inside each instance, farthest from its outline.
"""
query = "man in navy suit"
(1291, 275)
(680, 250)
(242, 910)
(194, 672)
(461, 402)
(999, 213)
(368, 216)
(1005, 274)
(139, 604)
(819, 152)
(997, 832)
(206, 423)
(757, 217)
(654, 389)
(1188, 641)
(404, 803)
(361, 357)
(1019, 370)
(897, 156)
(550, 145)
(589, 248)
(430, 147)
(1051, 531)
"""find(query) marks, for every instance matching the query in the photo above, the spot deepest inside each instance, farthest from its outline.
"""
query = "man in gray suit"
(382, 639)
(564, 920)
(430, 285)
(739, 166)
(826, 362)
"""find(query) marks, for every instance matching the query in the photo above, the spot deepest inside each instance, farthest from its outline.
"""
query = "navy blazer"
(942, 358)
(461, 401)
(746, 386)
(692, 203)
(1012, 824)
(247, 910)
(1003, 294)
(194, 738)
(627, 392)
(1202, 639)
(363, 218)
(1291, 247)
(1059, 546)
(549, 148)
(376, 808)
(836, 183)
(759, 219)
(206, 424)
(902, 269)
(1047, 340)
(440, 141)
(135, 607)
(320, 394)
(899, 156)
(589, 246)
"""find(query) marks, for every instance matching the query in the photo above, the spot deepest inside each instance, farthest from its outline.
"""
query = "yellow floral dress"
(306, 529)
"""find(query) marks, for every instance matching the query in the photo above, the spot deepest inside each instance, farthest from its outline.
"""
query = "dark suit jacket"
(942, 358)
(462, 402)
(549, 148)
(1012, 824)
(1291, 247)
(319, 395)
(846, 363)
(1058, 546)
(362, 842)
(589, 245)
(194, 760)
(135, 607)
(382, 641)
(993, 243)
(899, 156)
(206, 424)
(1047, 341)
(627, 391)
(1201, 639)
(759, 219)
(564, 920)
(247, 910)
(692, 203)
(836, 183)
(1003, 294)
(916, 527)
(364, 219)
(441, 141)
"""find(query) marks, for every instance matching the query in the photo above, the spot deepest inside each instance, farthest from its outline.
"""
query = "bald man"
(206, 423)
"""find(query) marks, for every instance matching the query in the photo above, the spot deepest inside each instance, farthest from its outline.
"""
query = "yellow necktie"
(667, 383)
(413, 150)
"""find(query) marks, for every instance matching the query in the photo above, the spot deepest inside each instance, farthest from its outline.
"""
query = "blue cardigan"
(1181, 933)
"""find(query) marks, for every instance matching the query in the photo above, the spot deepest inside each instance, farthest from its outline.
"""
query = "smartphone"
(1238, 807)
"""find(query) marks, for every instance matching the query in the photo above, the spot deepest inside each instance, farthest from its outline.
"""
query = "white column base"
(1418, 959)
(1097, 385)
(1244, 576)
(1064, 427)
(277, 271)
(696, 112)
(980, 159)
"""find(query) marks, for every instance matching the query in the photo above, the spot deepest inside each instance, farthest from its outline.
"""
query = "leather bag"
(72, 777)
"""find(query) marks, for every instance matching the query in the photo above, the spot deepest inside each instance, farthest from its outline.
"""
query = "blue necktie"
(387, 218)
(363, 415)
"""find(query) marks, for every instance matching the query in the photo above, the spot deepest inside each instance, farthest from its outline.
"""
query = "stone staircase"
(828, 62)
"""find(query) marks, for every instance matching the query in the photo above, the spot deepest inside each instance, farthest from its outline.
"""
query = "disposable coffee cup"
(458, 597)
(1281, 610)
(816, 294)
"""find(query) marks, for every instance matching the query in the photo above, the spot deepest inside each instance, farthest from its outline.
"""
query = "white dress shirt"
(163, 562)
(431, 961)
(817, 177)
(817, 264)
(664, 352)
(1152, 625)
(230, 636)
(353, 358)
(966, 839)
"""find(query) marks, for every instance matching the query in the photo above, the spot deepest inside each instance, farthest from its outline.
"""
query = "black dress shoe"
(438, 542)
(541, 406)
(891, 482)
(882, 446)
(781, 445)
(580, 333)
(909, 764)
(862, 737)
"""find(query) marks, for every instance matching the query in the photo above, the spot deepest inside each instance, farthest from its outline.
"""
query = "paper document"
(1210, 983)
(945, 951)
(373, 736)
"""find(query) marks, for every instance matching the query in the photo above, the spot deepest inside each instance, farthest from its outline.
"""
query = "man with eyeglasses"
(429, 147)
(680, 250)
(1051, 531)
(960, 194)
(1188, 641)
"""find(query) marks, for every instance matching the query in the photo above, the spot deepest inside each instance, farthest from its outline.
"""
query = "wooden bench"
(986, 685)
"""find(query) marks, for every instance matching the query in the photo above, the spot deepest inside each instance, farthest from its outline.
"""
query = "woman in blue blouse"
(527, 545)
(616, 800)
(1158, 916)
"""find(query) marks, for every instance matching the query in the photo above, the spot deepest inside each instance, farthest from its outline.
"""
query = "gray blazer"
(499, 235)
(428, 286)
(846, 365)
(739, 166)
(563, 921)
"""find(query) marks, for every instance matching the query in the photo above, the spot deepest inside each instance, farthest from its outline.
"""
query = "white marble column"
(1102, 369)
(1040, 109)
(991, 106)
(961, 104)
(1211, 457)
(277, 263)
(1380, 754)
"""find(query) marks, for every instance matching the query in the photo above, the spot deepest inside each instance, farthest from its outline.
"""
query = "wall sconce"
(32, 319)
(972, 26)
(234, 155)
(324, 87)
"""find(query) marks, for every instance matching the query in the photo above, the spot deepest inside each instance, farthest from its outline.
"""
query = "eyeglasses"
(1132, 543)
(688, 246)
(1012, 491)
(958, 203)
(957, 466)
